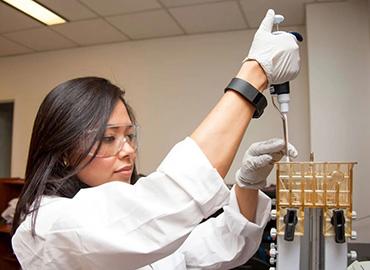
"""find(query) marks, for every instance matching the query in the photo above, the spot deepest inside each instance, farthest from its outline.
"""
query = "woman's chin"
(126, 178)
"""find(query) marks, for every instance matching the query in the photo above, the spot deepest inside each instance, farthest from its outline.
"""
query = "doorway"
(6, 132)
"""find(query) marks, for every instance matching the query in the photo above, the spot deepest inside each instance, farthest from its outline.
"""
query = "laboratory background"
(174, 59)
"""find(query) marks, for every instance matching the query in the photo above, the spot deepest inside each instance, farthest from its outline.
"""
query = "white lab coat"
(150, 225)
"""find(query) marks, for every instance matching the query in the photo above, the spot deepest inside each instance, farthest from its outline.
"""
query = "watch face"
(261, 101)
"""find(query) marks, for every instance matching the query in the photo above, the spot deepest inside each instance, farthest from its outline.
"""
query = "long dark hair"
(60, 141)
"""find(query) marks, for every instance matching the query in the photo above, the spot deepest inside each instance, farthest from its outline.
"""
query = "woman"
(78, 210)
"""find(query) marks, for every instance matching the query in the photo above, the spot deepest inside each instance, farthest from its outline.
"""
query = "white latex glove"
(277, 53)
(258, 162)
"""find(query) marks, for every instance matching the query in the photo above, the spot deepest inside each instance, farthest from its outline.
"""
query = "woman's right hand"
(278, 54)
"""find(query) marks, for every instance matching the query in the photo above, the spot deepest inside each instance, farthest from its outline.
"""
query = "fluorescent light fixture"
(36, 11)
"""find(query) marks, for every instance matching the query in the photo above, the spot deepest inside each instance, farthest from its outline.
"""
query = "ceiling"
(92, 22)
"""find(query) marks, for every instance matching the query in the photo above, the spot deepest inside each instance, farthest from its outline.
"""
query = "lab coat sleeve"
(121, 226)
(227, 241)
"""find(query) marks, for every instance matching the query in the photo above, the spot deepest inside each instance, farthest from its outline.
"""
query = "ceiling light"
(36, 11)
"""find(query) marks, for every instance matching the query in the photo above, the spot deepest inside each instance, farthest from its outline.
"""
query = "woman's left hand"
(258, 162)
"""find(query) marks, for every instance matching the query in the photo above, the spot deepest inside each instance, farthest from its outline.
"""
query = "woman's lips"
(124, 170)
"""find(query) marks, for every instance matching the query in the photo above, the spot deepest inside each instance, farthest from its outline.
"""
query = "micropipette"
(282, 92)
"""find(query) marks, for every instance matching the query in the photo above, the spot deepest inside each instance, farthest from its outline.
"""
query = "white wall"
(171, 83)
(338, 51)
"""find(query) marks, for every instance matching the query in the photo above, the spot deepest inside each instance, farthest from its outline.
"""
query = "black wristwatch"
(250, 93)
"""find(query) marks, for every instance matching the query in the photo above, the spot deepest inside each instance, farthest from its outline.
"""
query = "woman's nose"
(126, 149)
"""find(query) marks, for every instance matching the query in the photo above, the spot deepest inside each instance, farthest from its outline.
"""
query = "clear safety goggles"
(114, 139)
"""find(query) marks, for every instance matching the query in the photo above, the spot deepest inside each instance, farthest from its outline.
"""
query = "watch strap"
(250, 93)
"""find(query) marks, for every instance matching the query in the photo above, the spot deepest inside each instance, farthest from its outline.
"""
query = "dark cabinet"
(9, 188)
